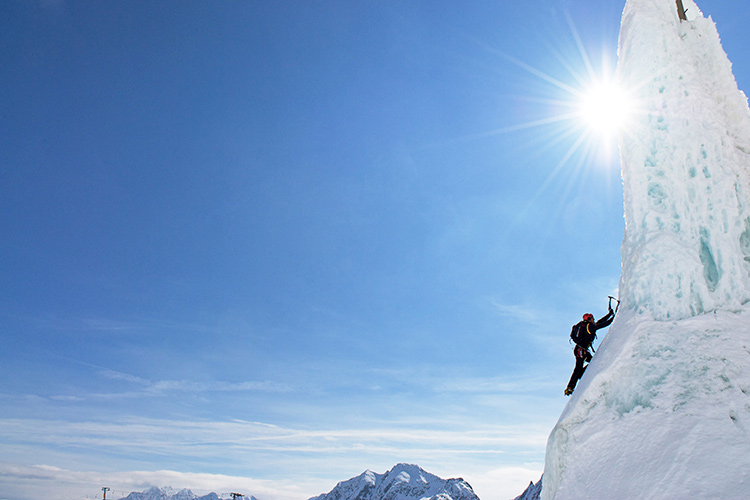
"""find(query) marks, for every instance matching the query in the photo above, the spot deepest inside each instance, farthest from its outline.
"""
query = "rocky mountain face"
(402, 482)
(532, 492)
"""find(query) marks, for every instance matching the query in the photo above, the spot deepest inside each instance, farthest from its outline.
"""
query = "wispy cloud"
(98, 324)
(205, 439)
(143, 387)
(518, 385)
(521, 313)
(115, 375)
(433, 380)
(218, 386)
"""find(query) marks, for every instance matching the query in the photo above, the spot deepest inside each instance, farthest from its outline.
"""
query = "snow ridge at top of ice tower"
(685, 164)
(663, 410)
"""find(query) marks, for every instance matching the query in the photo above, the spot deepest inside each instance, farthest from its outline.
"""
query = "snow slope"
(663, 411)
(402, 482)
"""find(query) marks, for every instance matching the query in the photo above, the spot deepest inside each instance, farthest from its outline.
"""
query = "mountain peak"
(402, 482)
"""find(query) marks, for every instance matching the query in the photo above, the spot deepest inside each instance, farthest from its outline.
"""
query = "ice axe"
(610, 303)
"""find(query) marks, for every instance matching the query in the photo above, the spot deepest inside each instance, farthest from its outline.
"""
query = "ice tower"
(685, 166)
(663, 411)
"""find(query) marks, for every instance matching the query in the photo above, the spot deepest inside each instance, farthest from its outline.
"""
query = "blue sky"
(269, 245)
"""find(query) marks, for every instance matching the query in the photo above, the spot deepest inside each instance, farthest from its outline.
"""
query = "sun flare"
(579, 106)
(605, 108)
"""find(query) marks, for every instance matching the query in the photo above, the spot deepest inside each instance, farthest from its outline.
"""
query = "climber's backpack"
(578, 334)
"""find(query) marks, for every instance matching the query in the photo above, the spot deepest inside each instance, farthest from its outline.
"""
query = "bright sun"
(605, 108)
(587, 109)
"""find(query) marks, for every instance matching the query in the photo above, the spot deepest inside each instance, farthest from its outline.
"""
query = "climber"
(583, 334)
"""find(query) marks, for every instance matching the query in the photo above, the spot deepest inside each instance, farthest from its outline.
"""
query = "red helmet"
(588, 316)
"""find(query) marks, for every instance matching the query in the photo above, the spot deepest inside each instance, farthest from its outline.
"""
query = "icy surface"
(685, 159)
(663, 411)
(403, 482)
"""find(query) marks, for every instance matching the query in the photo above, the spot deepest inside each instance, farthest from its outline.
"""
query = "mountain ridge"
(169, 493)
(402, 482)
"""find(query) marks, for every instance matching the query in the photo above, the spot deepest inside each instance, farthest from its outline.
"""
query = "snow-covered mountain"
(168, 493)
(663, 411)
(402, 482)
(532, 492)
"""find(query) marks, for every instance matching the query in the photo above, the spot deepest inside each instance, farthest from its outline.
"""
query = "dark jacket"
(588, 330)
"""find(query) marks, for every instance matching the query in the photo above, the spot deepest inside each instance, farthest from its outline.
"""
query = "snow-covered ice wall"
(685, 165)
(663, 410)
